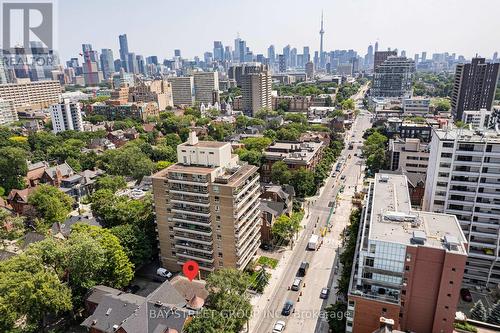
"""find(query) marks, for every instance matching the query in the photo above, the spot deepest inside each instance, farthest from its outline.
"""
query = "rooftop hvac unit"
(419, 237)
(384, 178)
(451, 242)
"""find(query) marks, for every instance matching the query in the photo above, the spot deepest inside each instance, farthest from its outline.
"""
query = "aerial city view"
(249, 167)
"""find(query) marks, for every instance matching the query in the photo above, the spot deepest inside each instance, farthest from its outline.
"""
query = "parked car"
(342, 177)
(303, 268)
(287, 308)
(279, 326)
(466, 295)
(324, 293)
(163, 273)
(296, 284)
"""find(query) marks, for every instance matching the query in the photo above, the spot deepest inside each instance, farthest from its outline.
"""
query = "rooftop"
(464, 134)
(393, 219)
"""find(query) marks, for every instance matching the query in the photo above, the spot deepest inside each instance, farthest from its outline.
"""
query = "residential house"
(121, 137)
(18, 200)
(62, 230)
(166, 309)
(275, 200)
(35, 173)
(55, 175)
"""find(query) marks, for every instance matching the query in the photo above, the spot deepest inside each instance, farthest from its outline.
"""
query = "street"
(307, 303)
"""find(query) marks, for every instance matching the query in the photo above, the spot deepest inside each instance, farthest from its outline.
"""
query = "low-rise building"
(479, 119)
(408, 265)
(291, 103)
(158, 91)
(139, 111)
(27, 95)
(416, 106)
(409, 155)
(295, 154)
(275, 201)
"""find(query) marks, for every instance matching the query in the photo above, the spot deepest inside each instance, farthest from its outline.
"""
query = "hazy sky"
(157, 27)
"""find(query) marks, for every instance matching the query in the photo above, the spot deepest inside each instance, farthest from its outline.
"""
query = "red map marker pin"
(190, 269)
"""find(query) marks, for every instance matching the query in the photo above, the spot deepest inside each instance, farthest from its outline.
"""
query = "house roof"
(272, 207)
(166, 308)
(65, 227)
(22, 195)
(112, 311)
(32, 237)
(64, 169)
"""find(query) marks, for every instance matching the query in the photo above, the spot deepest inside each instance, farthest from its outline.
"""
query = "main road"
(307, 304)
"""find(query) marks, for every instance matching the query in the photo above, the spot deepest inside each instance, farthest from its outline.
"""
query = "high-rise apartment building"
(31, 95)
(132, 65)
(123, 51)
(474, 86)
(381, 56)
(205, 84)
(393, 78)
(271, 54)
(309, 70)
(462, 179)
(66, 116)
(256, 92)
(107, 63)
(207, 208)
(159, 91)
(408, 265)
(182, 90)
(7, 112)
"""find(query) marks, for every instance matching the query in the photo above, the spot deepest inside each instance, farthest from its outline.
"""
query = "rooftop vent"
(108, 312)
(384, 178)
(419, 237)
(451, 242)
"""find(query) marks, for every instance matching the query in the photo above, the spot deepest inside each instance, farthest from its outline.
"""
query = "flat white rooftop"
(393, 220)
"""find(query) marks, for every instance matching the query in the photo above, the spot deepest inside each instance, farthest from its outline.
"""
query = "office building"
(7, 112)
(207, 208)
(123, 51)
(218, 51)
(107, 63)
(307, 56)
(205, 84)
(281, 63)
(462, 179)
(408, 265)
(416, 106)
(393, 78)
(271, 55)
(90, 67)
(182, 90)
(256, 92)
(31, 95)
(177, 53)
(479, 119)
(381, 56)
(474, 86)
(132, 65)
(66, 116)
(123, 79)
(158, 91)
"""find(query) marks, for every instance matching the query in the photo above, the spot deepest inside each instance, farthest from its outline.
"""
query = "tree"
(478, 311)
(348, 104)
(494, 316)
(374, 150)
(117, 270)
(258, 144)
(253, 157)
(443, 105)
(335, 316)
(135, 242)
(127, 161)
(51, 204)
(280, 174)
(112, 183)
(29, 290)
(285, 228)
(303, 182)
(287, 134)
(13, 168)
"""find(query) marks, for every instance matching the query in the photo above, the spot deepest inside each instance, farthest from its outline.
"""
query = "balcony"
(184, 227)
(193, 238)
(187, 182)
(193, 200)
(191, 255)
(186, 218)
(187, 245)
(192, 210)
(203, 265)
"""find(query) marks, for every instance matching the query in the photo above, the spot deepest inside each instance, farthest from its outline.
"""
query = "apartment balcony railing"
(193, 238)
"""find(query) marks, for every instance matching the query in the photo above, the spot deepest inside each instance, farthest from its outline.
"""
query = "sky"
(157, 27)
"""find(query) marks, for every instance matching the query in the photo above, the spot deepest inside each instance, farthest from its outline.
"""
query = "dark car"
(287, 308)
(466, 295)
(303, 268)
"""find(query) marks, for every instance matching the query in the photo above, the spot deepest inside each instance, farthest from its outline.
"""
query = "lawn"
(267, 262)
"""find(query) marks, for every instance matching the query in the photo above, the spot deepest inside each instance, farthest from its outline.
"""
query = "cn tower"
(321, 54)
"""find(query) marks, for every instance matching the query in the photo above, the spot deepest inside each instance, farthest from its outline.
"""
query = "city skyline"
(362, 29)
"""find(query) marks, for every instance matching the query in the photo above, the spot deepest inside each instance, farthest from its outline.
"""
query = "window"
(446, 155)
(449, 295)
(447, 144)
(451, 282)
(446, 307)
(453, 269)
(407, 268)
(384, 310)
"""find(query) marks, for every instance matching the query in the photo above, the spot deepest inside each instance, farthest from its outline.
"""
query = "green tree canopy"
(280, 174)
(13, 168)
(51, 204)
(112, 183)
